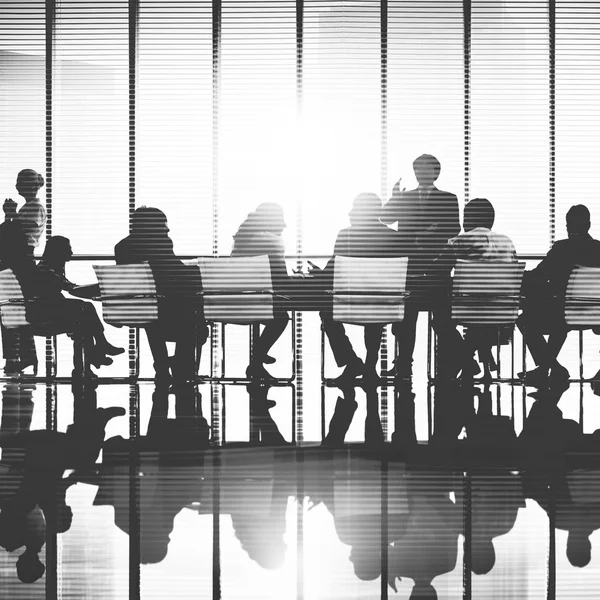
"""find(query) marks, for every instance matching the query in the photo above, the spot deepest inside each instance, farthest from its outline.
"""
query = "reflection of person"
(37, 502)
(366, 237)
(46, 303)
(478, 243)
(544, 288)
(429, 545)
(171, 452)
(260, 233)
(176, 283)
(427, 218)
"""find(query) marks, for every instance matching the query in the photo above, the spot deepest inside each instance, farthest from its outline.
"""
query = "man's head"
(479, 212)
(28, 183)
(365, 208)
(149, 220)
(427, 169)
(578, 219)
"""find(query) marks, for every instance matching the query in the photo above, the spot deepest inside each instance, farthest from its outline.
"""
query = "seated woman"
(46, 304)
(260, 234)
(177, 284)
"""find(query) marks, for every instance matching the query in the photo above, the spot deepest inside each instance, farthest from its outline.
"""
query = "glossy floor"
(226, 491)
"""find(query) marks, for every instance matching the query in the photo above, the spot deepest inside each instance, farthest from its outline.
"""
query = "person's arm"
(447, 223)
(390, 213)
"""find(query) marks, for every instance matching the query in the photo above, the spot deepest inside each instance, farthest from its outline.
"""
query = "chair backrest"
(128, 294)
(486, 293)
(13, 312)
(237, 290)
(582, 300)
(369, 290)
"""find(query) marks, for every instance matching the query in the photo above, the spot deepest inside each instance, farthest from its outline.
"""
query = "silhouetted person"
(545, 287)
(19, 348)
(366, 237)
(38, 502)
(259, 234)
(180, 317)
(57, 254)
(478, 243)
(46, 304)
(427, 218)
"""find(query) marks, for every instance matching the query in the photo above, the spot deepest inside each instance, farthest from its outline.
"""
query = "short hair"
(479, 212)
(30, 177)
(428, 159)
(147, 218)
(578, 219)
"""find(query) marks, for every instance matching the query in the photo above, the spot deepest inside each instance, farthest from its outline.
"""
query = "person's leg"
(405, 333)
(452, 353)
(342, 349)
(96, 328)
(534, 340)
(556, 341)
(373, 334)
(271, 333)
(158, 348)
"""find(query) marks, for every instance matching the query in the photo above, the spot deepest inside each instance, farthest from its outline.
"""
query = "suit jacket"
(554, 270)
(427, 225)
(375, 240)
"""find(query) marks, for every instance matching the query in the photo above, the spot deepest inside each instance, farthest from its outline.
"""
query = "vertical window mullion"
(467, 92)
(552, 119)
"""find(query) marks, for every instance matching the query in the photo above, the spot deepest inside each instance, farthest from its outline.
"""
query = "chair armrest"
(231, 291)
(128, 296)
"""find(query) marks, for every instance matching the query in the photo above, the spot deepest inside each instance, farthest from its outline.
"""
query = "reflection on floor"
(233, 491)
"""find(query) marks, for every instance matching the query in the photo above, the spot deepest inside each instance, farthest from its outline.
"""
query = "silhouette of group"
(428, 233)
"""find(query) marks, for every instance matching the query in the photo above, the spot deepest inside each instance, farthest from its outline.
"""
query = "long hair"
(268, 216)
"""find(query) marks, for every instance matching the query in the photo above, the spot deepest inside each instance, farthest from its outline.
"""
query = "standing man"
(427, 218)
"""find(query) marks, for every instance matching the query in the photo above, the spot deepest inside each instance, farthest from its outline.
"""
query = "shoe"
(595, 384)
(398, 372)
(111, 350)
(98, 359)
(258, 372)
(471, 369)
(351, 372)
(268, 360)
(559, 374)
(16, 367)
(536, 378)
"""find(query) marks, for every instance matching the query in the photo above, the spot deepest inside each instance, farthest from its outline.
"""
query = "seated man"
(366, 237)
(544, 289)
(177, 283)
(478, 243)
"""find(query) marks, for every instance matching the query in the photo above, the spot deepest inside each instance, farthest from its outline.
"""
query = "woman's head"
(269, 217)
(365, 208)
(150, 221)
(58, 249)
(29, 183)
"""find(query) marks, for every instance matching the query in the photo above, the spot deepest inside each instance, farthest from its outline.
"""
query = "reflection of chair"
(582, 304)
(487, 294)
(367, 291)
(129, 298)
(13, 307)
(238, 291)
